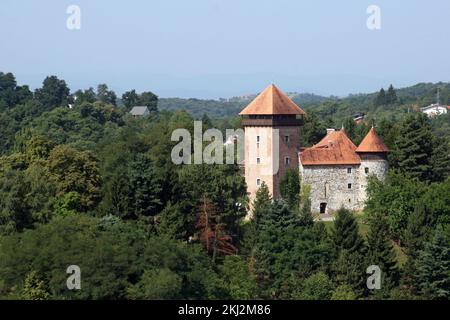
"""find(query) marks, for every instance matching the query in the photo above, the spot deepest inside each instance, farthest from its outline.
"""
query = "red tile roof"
(334, 149)
(272, 101)
(372, 143)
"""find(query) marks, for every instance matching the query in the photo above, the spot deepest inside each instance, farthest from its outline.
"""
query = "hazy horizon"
(220, 49)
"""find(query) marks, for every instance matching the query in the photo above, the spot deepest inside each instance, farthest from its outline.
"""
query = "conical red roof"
(372, 143)
(272, 101)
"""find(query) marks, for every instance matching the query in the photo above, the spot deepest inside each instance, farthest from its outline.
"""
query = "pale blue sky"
(222, 48)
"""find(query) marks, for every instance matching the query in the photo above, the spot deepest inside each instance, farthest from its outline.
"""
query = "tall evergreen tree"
(380, 100)
(290, 188)
(391, 95)
(415, 147)
(349, 248)
(434, 268)
(381, 251)
(440, 159)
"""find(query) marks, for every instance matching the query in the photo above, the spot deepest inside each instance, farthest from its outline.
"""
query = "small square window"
(349, 170)
(287, 161)
(349, 186)
(258, 160)
(258, 182)
(286, 139)
(366, 170)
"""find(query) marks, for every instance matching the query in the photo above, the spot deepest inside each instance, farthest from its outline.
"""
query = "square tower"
(272, 124)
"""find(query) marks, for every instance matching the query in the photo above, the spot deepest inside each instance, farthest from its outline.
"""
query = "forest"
(84, 183)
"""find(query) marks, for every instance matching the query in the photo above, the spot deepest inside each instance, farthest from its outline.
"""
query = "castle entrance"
(323, 208)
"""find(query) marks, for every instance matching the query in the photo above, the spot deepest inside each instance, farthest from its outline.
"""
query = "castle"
(335, 168)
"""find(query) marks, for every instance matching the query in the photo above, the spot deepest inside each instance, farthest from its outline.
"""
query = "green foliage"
(236, 279)
(290, 188)
(349, 249)
(434, 268)
(156, 284)
(54, 93)
(414, 147)
(343, 292)
(381, 252)
(316, 287)
(34, 288)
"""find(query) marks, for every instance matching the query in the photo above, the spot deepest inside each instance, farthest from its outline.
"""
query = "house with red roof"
(337, 170)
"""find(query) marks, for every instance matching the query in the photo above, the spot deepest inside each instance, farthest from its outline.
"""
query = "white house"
(434, 110)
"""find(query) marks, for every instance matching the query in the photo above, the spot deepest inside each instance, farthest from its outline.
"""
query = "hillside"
(413, 97)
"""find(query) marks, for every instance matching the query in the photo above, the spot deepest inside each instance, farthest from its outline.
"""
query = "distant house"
(434, 110)
(358, 117)
(139, 111)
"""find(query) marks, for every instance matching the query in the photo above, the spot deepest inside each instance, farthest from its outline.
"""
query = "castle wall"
(329, 184)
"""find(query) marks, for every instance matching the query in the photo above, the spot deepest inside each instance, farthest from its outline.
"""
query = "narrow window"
(257, 138)
(349, 200)
(258, 160)
(286, 139)
(258, 182)
(349, 170)
(287, 161)
(366, 170)
(349, 186)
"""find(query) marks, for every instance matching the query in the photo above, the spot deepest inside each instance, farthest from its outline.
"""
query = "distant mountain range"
(419, 95)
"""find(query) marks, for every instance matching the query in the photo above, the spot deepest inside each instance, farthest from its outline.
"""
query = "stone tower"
(373, 154)
(272, 139)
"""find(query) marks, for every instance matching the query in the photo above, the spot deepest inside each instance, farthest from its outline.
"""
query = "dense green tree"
(34, 287)
(105, 95)
(156, 284)
(343, 292)
(236, 280)
(349, 249)
(434, 268)
(54, 93)
(316, 287)
(414, 147)
(290, 188)
(130, 99)
(77, 171)
(381, 98)
(381, 252)
(150, 100)
(83, 96)
(391, 95)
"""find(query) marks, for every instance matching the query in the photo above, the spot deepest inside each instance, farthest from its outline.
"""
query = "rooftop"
(335, 148)
(272, 101)
(139, 111)
(372, 143)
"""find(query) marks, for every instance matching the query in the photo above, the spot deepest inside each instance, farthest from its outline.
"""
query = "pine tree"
(380, 100)
(381, 251)
(391, 96)
(306, 218)
(415, 147)
(440, 159)
(349, 248)
(290, 188)
(417, 230)
(434, 268)
(345, 235)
